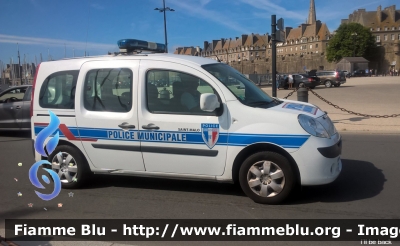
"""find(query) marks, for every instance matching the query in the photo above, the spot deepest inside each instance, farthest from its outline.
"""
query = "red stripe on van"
(67, 133)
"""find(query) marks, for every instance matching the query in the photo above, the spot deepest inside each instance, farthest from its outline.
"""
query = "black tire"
(312, 87)
(328, 84)
(78, 162)
(337, 85)
(277, 162)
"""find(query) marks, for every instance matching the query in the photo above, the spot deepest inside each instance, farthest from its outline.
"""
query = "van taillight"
(33, 89)
(337, 75)
(310, 79)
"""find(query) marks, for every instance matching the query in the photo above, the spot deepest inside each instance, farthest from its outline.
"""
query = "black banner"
(363, 231)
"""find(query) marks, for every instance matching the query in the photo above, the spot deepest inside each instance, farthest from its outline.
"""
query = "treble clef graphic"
(40, 148)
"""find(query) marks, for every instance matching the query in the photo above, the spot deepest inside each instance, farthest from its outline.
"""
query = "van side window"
(58, 90)
(108, 90)
(172, 92)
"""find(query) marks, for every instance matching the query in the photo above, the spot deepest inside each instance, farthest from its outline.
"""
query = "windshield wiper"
(256, 103)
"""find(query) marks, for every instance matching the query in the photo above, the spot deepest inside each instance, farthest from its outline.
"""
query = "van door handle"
(126, 125)
(151, 127)
(18, 107)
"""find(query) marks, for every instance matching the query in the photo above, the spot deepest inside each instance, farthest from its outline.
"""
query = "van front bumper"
(319, 160)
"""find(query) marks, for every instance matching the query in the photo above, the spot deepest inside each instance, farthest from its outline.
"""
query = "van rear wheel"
(70, 165)
(267, 177)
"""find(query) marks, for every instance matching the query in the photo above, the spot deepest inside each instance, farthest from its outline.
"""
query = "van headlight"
(312, 126)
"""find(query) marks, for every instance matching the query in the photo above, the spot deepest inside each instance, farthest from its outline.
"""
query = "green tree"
(351, 39)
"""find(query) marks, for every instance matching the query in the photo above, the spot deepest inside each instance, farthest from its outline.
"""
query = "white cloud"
(54, 42)
(204, 2)
(97, 6)
(267, 5)
(194, 9)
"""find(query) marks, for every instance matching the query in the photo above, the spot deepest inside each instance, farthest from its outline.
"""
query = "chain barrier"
(291, 93)
(345, 110)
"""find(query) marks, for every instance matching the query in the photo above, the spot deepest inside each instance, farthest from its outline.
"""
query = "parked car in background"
(360, 73)
(15, 104)
(331, 78)
(300, 80)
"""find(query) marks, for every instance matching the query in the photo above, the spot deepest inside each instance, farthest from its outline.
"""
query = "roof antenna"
(218, 59)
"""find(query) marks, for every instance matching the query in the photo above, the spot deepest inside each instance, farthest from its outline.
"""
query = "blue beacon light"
(130, 45)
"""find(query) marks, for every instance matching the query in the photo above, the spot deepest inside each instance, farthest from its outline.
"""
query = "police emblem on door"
(210, 134)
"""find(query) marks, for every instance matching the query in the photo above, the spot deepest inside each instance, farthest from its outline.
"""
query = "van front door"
(107, 115)
(176, 136)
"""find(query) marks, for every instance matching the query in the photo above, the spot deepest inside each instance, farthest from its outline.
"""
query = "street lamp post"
(354, 35)
(165, 9)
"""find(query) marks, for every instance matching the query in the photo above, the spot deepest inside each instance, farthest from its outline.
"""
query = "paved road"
(373, 96)
(367, 189)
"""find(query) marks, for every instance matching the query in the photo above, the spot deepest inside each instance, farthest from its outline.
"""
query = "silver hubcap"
(328, 84)
(266, 179)
(65, 166)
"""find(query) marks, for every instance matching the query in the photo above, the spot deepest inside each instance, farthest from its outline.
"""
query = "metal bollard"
(302, 95)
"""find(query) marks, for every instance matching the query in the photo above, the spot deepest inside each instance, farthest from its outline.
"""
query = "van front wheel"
(267, 177)
(70, 166)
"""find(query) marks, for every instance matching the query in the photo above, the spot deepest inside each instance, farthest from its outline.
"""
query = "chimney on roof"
(214, 43)
(198, 49)
(392, 12)
(312, 16)
(205, 45)
(318, 26)
(287, 31)
(244, 37)
(379, 14)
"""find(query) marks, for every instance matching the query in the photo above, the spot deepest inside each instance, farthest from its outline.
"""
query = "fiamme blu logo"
(40, 148)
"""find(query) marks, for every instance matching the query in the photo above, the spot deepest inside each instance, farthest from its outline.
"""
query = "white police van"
(182, 117)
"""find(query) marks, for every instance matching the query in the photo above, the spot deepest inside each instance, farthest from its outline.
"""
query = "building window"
(371, 29)
(386, 28)
(393, 28)
(398, 37)
(316, 45)
(378, 29)
(392, 36)
(310, 46)
(378, 38)
(291, 49)
(296, 48)
(385, 37)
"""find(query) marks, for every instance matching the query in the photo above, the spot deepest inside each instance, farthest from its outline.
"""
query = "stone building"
(385, 26)
(303, 49)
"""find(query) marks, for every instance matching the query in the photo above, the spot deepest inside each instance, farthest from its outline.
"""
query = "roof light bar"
(131, 45)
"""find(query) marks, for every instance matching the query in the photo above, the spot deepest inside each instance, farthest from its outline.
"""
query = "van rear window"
(58, 90)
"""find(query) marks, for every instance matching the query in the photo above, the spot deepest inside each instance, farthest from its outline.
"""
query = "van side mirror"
(209, 102)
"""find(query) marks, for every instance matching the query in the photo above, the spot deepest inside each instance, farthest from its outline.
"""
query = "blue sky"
(53, 26)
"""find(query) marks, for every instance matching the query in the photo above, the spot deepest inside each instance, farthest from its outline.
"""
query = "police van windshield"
(245, 90)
